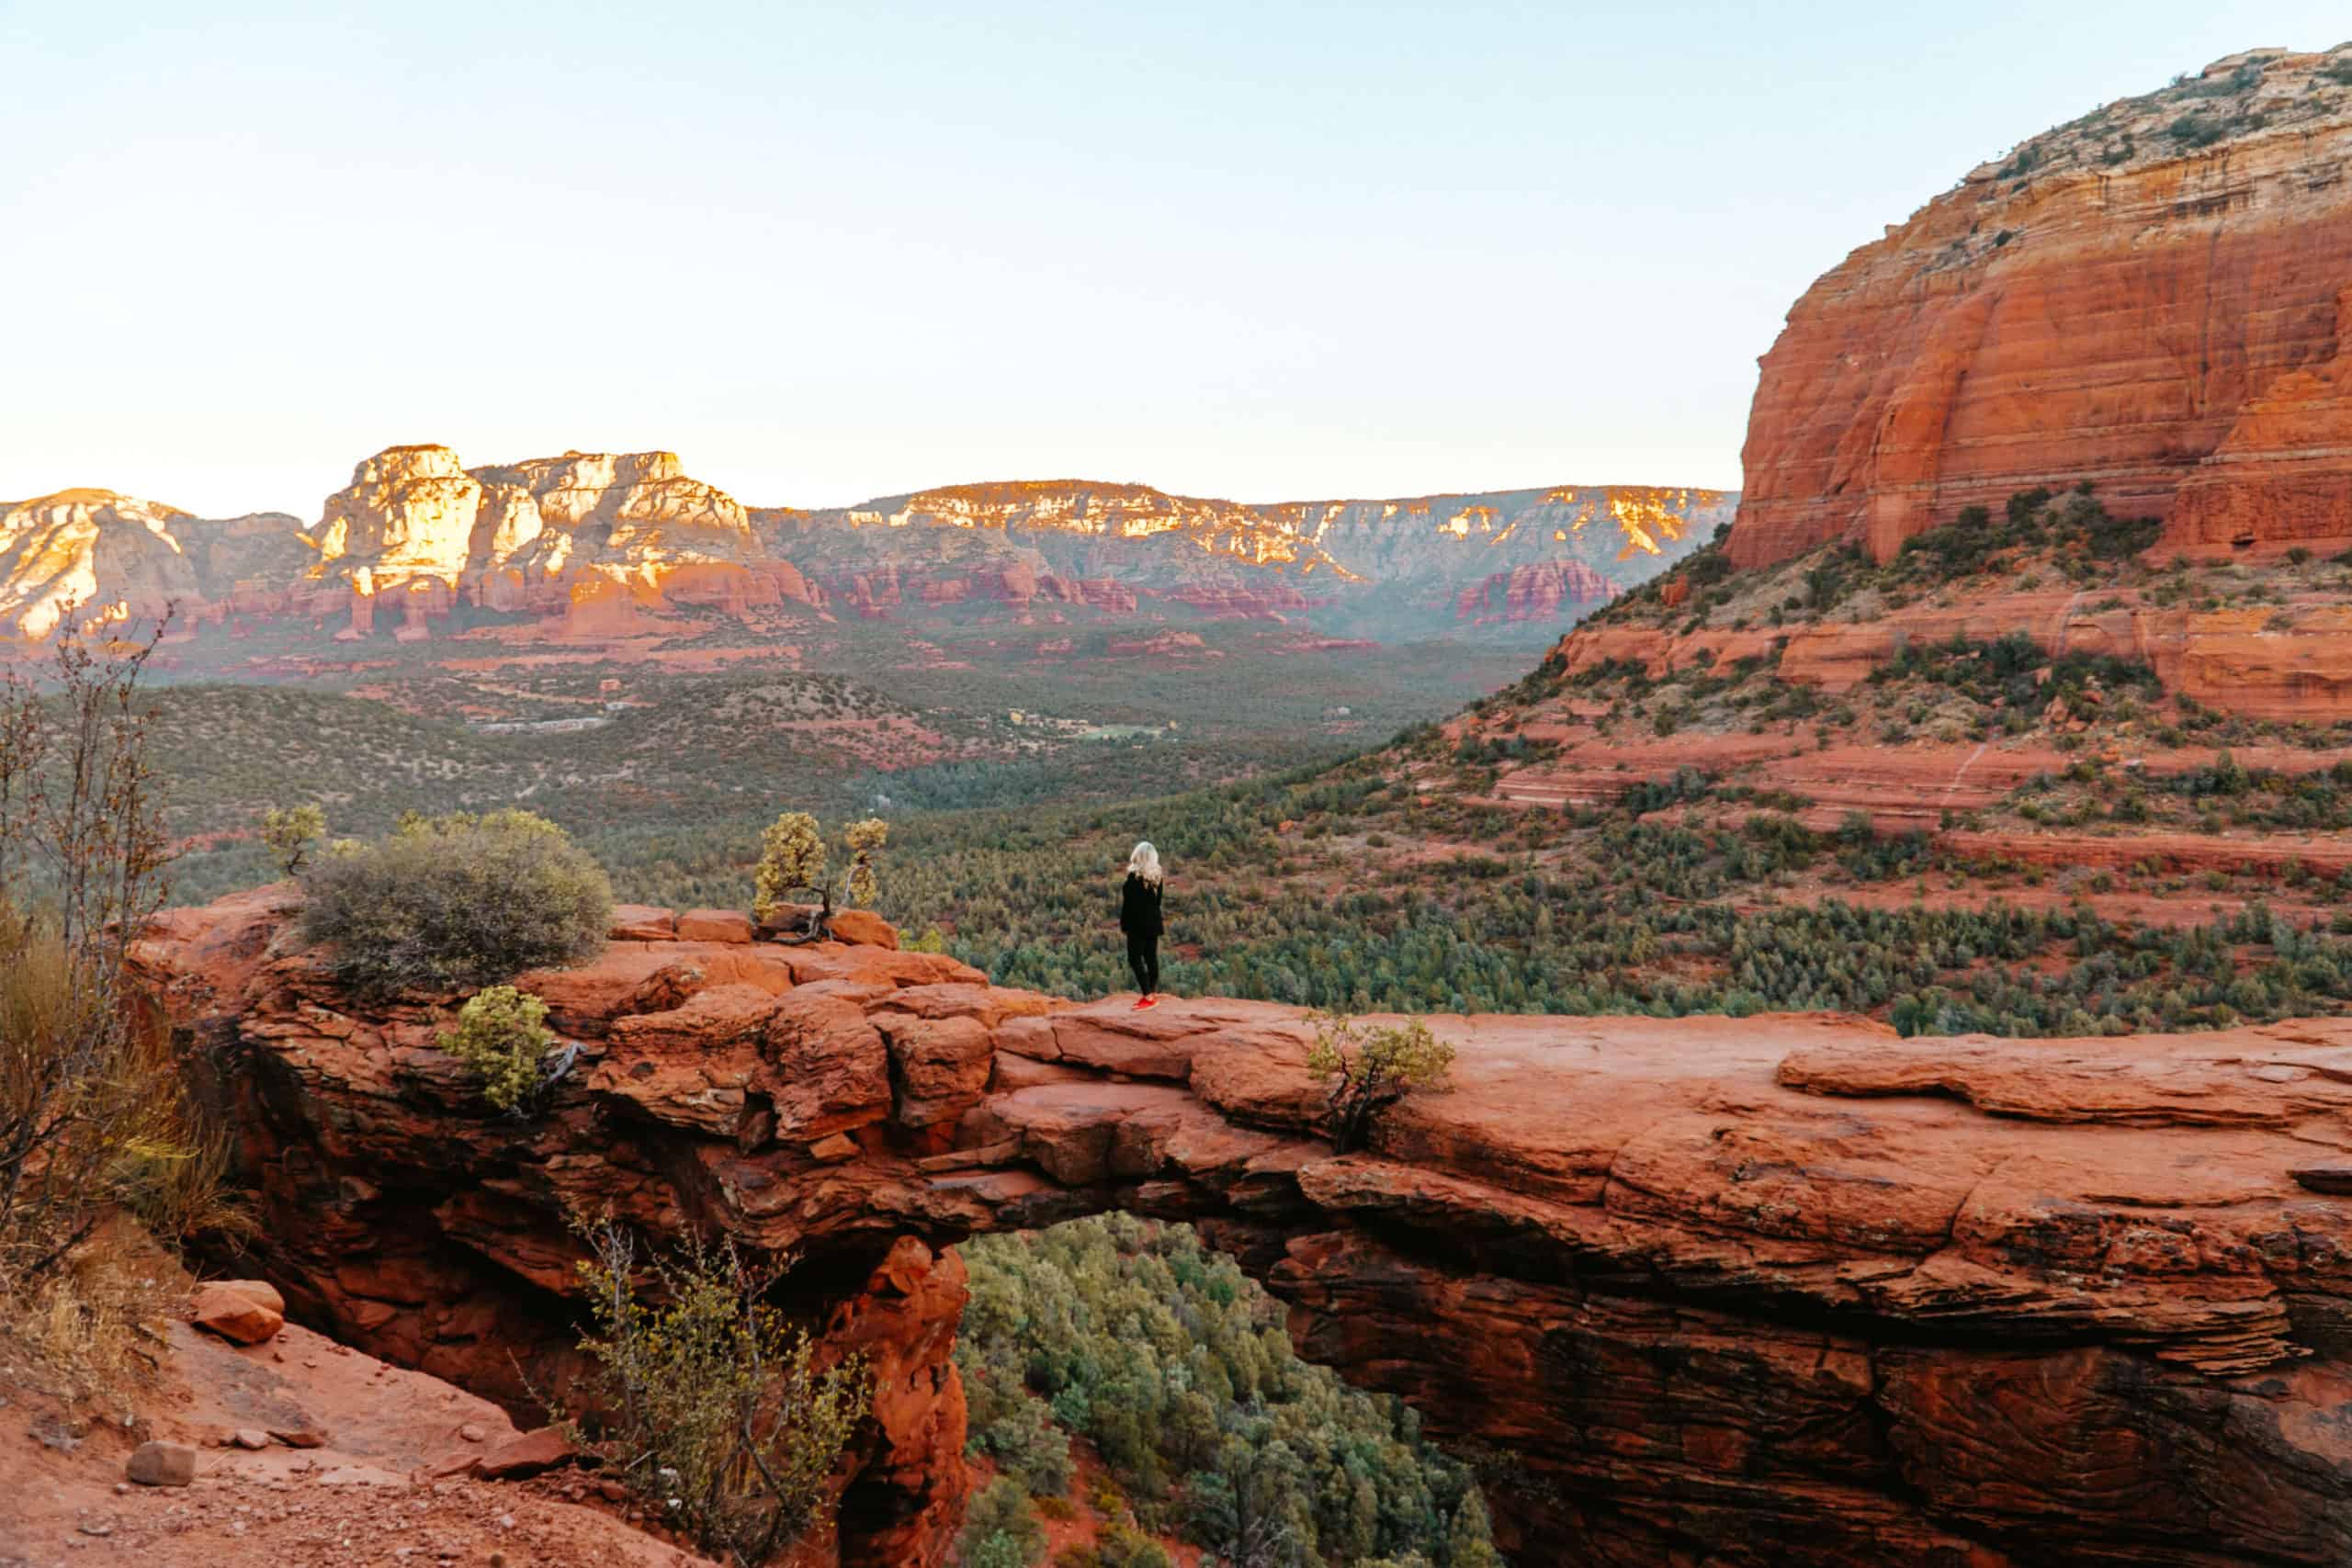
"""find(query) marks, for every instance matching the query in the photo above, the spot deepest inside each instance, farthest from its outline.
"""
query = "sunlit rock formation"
(111, 558)
(596, 545)
(588, 536)
(2156, 298)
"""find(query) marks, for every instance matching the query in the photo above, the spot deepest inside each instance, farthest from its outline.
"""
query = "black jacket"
(1139, 907)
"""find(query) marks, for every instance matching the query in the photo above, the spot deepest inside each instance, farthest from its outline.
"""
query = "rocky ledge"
(1782, 1289)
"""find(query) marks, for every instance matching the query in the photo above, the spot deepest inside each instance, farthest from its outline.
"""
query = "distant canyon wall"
(601, 544)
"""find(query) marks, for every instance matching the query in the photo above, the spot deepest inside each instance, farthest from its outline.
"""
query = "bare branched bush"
(96, 1122)
(714, 1410)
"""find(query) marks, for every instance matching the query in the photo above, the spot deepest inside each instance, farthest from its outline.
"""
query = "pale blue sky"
(827, 250)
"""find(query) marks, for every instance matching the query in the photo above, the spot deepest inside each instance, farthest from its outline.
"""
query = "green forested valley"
(1165, 1361)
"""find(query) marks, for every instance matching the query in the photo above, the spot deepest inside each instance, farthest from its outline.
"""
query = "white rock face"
(112, 556)
(413, 511)
(602, 541)
(409, 512)
(610, 509)
(415, 521)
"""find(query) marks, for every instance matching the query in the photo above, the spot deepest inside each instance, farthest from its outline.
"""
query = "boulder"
(541, 1449)
(643, 922)
(246, 1310)
(158, 1463)
(715, 925)
(863, 928)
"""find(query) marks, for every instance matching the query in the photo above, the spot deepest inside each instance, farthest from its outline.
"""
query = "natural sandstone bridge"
(1773, 1291)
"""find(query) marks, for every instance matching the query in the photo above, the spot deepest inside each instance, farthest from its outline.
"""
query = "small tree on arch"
(795, 864)
(289, 833)
(1372, 1070)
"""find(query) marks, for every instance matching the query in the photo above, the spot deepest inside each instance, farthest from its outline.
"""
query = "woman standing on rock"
(1139, 918)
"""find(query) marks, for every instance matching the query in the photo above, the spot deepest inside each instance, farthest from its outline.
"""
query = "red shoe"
(1143, 1002)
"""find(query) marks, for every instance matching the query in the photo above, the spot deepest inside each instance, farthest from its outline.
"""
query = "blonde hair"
(1144, 862)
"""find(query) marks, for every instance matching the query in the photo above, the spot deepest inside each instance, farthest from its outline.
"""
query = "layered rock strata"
(590, 539)
(1782, 1289)
(2288, 659)
(1539, 593)
(105, 556)
(592, 536)
(2156, 298)
(600, 544)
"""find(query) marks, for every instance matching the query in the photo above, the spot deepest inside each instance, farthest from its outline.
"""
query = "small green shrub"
(502, 1036)
(794, 859)
(289, 833)
(717, 1415)
(1369, 1072)
(1122, 1545)
(452, 903)
(1000, 1528)
(2195, 131)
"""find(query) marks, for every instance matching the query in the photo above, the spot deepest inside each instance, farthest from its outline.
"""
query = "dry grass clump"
(91, 1332)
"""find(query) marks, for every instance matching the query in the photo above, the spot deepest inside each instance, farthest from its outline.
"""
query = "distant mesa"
(1534, 592)
(601, 546)
(1381, 566)
(587, 540)
(591, 537)
(2156, 297)
(131, 557)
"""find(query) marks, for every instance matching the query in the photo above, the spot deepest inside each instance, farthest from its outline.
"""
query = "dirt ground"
(364, 1497)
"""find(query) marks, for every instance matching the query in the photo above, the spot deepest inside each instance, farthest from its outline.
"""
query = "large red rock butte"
(1786, 1290)
(2156, 298)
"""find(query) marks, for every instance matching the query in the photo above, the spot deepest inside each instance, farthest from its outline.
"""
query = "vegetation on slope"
(2040, 539)
(1174, 1367)
(103, 1144)
(2260, 90)
(1597, 913)
(1400, 880)
(671, 791)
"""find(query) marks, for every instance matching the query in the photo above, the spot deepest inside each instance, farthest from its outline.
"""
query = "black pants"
(1143, 957)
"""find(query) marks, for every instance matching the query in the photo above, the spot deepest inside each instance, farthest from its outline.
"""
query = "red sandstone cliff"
(1775, 1291)
(1534, 592)
(2156, 298)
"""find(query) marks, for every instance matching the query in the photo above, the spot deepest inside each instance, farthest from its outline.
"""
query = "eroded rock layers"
(1784, 1289)
(598, 545)
(2156, 299)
